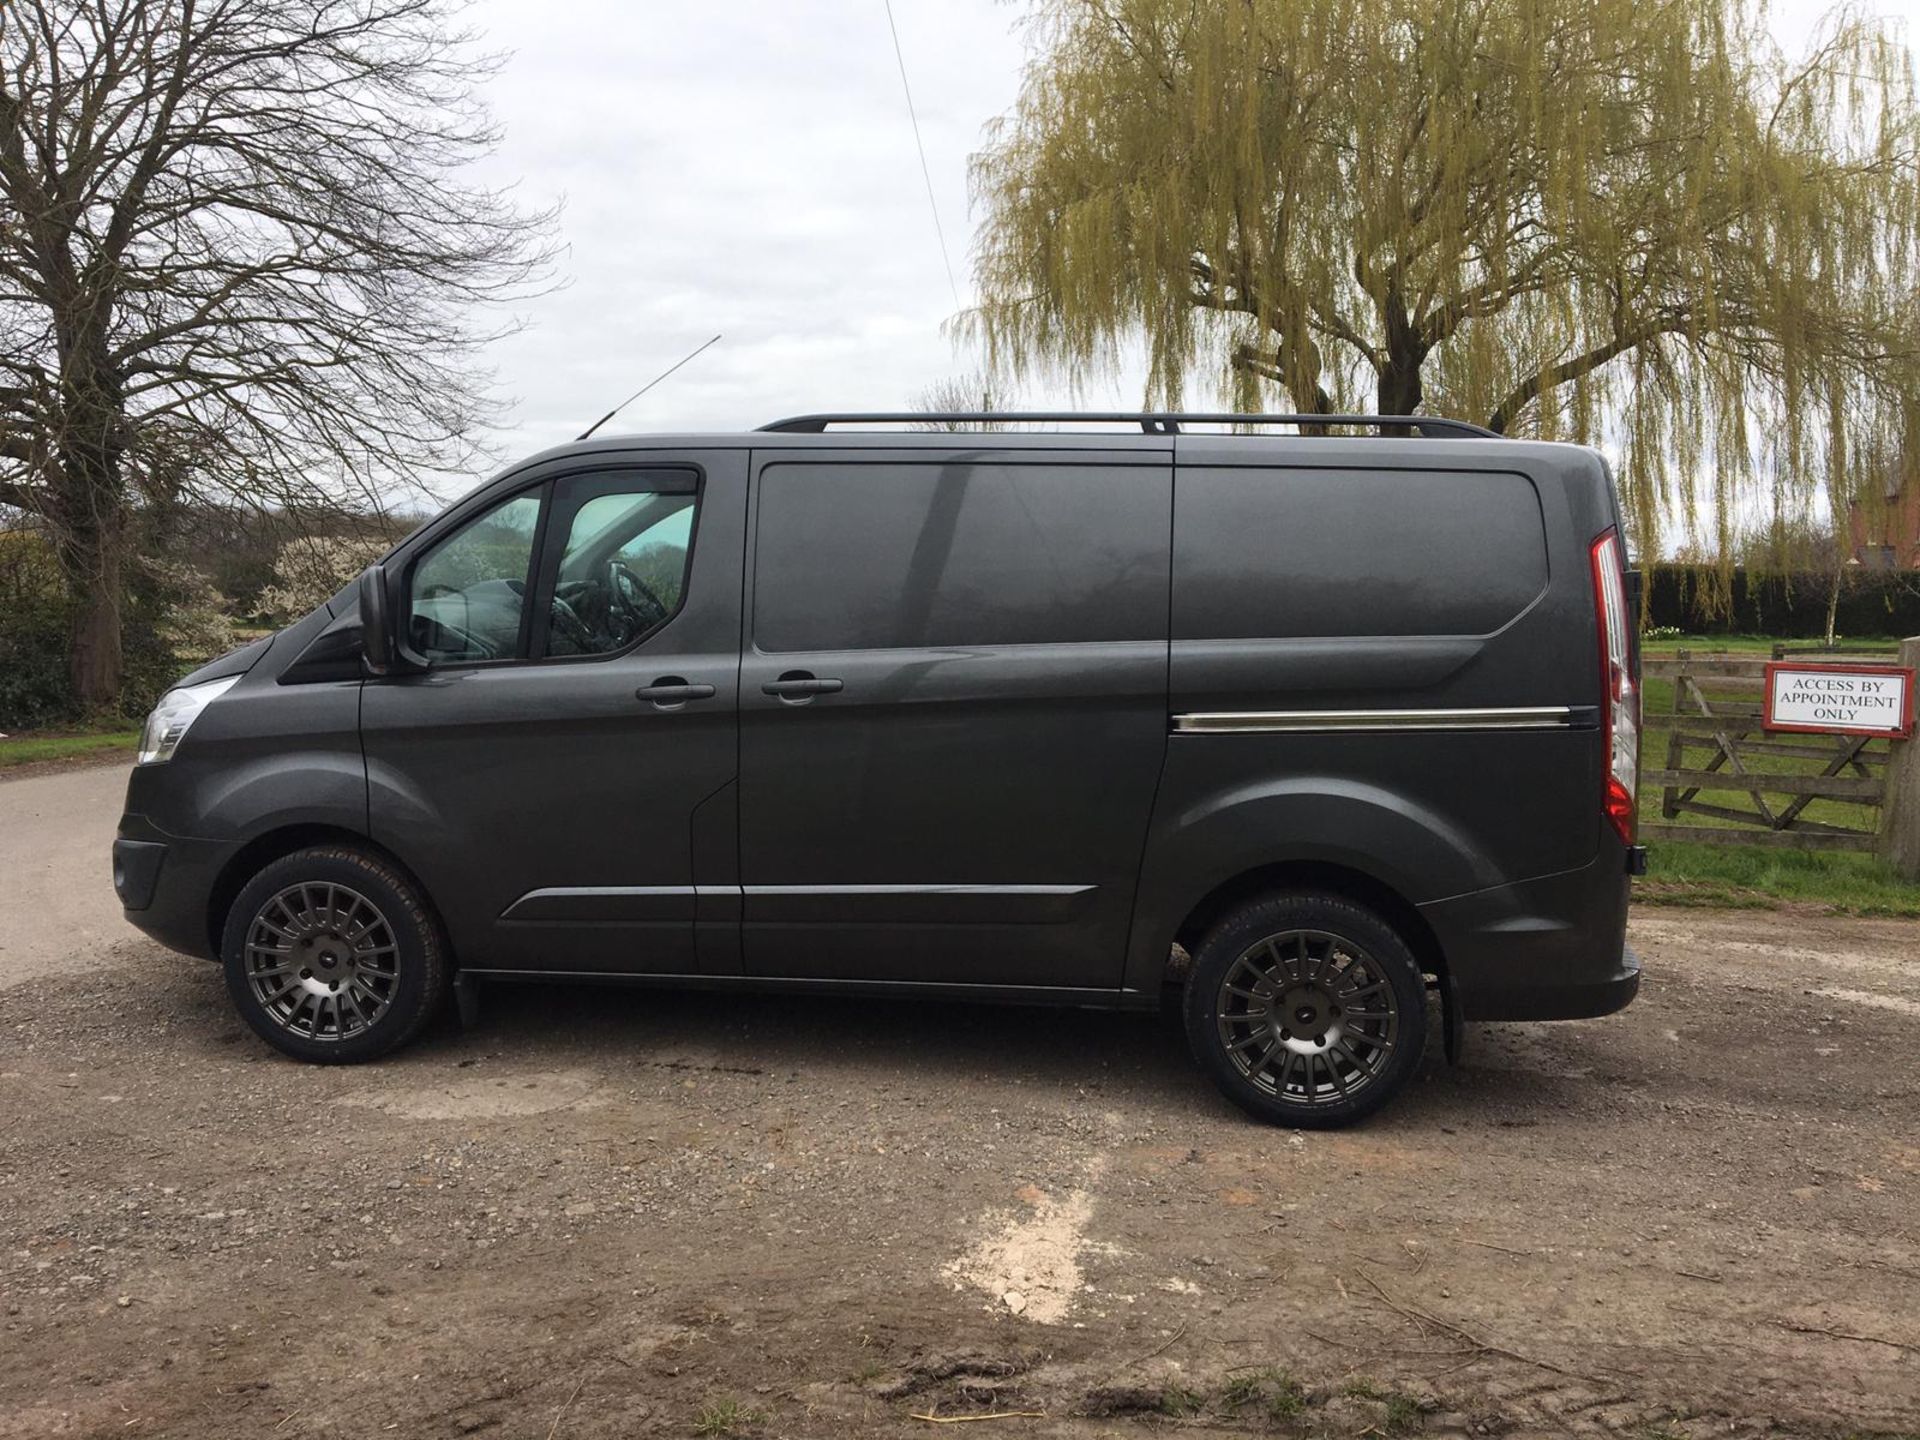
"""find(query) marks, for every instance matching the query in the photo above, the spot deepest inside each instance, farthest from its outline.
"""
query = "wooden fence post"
(1900, 818)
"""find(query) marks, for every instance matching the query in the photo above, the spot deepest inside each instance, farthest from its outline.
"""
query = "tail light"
(1620, 703)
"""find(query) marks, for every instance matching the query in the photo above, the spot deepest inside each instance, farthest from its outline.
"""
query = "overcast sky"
(748, 167)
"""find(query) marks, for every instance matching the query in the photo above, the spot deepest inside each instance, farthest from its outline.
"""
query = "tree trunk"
(1400, 389)
(90, 526)
(91, 509)
(94, 658)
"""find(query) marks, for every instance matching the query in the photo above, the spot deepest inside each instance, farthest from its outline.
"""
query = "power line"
(925, 173)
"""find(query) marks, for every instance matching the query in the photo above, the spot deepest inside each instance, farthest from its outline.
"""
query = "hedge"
(35, 620)
(1693, 598)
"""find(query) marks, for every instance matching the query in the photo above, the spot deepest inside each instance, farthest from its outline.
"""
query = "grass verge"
(1755, 644)
(1747, 877)
(66, 744)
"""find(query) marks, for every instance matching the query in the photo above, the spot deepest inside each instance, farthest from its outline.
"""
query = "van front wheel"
(1307, 1009)
(332, 956)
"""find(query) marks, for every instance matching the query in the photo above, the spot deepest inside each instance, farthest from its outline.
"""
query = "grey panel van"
(1328, 729)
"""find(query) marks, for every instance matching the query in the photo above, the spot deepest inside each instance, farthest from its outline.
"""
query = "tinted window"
(857, 557)
(1286, 552)
(469, 591)
(622, 572)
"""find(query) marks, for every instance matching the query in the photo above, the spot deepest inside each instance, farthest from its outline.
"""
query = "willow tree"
(1630, 221)
(242, 259)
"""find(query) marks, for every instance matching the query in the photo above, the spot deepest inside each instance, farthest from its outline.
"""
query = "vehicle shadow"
(783, 1033)
(1122, 1059)
(1127, 1058)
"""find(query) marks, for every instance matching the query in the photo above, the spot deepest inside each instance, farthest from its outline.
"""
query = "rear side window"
(881, 556)
(1321, 552)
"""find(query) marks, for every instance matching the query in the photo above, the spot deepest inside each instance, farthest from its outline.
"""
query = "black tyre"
(1307, 1009)
(331, 955)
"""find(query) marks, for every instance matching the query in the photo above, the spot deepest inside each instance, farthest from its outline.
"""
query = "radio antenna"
(644, 388)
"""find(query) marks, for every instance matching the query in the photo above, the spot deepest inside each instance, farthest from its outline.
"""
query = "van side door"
(953, 711)
(559, 773)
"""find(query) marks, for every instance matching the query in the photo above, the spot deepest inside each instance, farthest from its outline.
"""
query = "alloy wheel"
(322, 961)
(1308, 1016)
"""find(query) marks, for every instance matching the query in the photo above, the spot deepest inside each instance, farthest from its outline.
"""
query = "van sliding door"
(953, 712)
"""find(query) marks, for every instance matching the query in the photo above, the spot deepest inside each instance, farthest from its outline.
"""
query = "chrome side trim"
(678, 904)
(602, 892)
(916, 889)
(1515, 717)
(602, 905)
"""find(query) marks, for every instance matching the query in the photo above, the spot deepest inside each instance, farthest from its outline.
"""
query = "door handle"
(797, 687)
(671, 690)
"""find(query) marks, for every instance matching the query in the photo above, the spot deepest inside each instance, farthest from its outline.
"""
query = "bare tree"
(958, 394)
(240, 260)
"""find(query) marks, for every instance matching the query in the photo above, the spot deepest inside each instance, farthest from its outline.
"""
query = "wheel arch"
(1322, 875)
(1214, 843)
(276, 844)
(1327, 876)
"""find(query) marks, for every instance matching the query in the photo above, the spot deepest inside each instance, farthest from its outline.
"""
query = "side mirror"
(376, 624)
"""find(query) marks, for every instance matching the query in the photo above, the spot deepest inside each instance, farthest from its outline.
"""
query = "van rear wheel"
(331, 955)
(1307, 1009)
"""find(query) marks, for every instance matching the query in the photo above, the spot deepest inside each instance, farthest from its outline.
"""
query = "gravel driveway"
(619, 1213)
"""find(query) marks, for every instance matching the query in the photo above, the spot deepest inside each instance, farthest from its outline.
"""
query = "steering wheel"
(566, 621)
(632, 591)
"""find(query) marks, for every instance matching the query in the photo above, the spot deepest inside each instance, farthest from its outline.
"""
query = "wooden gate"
(1716, 748)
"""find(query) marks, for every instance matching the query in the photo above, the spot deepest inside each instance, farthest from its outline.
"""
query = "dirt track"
(608, 1213)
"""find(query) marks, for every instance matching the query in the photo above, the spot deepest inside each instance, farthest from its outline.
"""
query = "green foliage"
(1784, 604)
(1270, 1390)
(1403, 1414)
(34, 621)
(173, 619)
(1400, 1413)
(725, 1417)
(1624, 218)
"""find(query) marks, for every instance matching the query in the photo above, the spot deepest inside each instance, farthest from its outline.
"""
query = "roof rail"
(1153, 422)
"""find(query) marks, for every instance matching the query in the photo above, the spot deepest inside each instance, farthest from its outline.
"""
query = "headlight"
(176, 711)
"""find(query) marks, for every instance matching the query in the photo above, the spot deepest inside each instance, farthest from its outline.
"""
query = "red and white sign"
(1840, 699)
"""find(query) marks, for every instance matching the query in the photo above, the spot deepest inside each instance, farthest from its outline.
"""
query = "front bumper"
(166, 884)
(136, 870)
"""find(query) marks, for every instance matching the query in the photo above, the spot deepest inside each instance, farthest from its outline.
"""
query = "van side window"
(623, 571)
(891, 556)
(469, 592)
(1285, 552)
